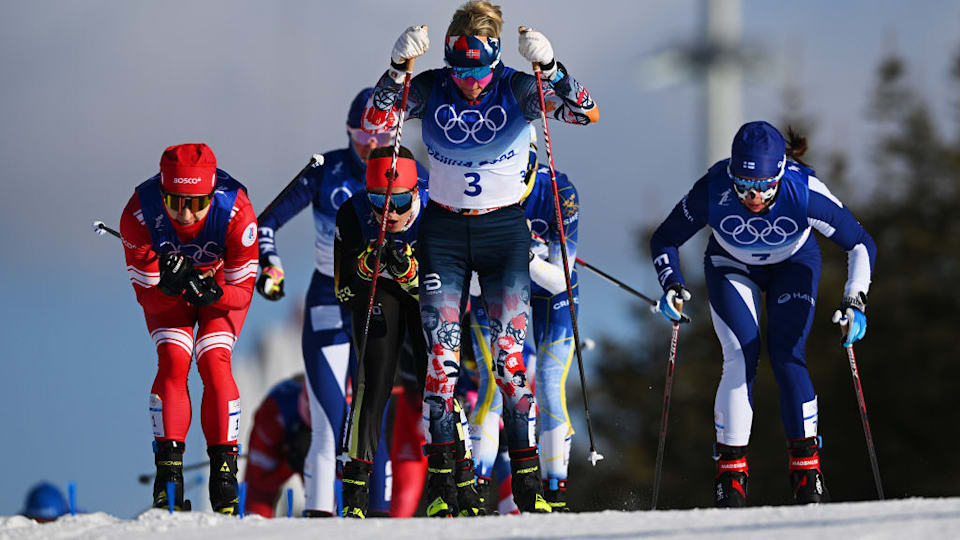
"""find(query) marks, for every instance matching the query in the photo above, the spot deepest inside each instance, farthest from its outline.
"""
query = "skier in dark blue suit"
(761, 205)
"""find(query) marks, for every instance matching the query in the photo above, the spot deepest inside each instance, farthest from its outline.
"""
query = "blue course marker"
(243, 498)
(289, 503)
(72, 495)
(171, 493)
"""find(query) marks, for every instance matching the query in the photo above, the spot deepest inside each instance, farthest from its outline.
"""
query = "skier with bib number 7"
(761, 205)
(475, 114)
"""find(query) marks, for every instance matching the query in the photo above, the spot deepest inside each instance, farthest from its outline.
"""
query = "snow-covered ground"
(898, 519)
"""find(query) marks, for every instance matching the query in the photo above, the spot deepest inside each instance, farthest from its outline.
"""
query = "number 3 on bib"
(473, 184)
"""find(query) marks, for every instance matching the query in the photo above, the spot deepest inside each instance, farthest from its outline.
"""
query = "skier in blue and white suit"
(327, 354)
(761, 205)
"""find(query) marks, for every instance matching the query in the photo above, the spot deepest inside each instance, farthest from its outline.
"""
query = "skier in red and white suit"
(190, 240)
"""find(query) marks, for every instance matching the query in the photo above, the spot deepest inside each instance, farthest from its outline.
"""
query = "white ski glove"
(536, 48)
(413, 42)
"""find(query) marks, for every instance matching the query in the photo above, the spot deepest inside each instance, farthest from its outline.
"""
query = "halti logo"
(786, 297)
(196, 180)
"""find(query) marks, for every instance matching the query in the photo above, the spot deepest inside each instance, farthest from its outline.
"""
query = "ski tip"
(594, 457)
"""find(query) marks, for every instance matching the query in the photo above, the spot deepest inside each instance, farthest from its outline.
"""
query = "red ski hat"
(188, 168)
(378, 172)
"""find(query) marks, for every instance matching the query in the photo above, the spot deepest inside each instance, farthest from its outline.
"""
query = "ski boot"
(168, 457)
(525, 482)
(356, 490)
(730, 486)
(469, 501)
(441, 484)
(488, 494)
(805, 475)
(555, 492)
(223, 478)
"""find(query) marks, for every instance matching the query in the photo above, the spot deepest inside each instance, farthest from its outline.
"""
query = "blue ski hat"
(758, 151)
(45, 502)
(355, 116)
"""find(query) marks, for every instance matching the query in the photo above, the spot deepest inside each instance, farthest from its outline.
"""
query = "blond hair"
(476, 18)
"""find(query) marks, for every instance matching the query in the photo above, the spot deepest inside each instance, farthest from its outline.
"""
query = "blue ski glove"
(671, 303)
(852, 315)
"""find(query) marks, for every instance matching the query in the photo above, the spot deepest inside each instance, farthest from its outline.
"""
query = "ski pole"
(683, 317)
(381, 236)
(838, 317)
(100, 228)
(594, 455)
(667, 392)
(862, 405)
(315, 161)
(146, 478)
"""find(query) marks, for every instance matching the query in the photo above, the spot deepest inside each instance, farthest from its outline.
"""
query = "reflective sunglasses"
(760, 185)
(477, 72)
(176, 203)
(399, 202)
(363, 138)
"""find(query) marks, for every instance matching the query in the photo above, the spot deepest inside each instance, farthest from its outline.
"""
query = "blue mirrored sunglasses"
(399, 202)
(746, 184)
(467, 72)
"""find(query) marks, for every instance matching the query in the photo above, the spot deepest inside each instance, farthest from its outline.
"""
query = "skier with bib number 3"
(761, 204)
(475, 114)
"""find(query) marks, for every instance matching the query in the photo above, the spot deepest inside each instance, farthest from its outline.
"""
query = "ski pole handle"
(536, 66)
(100, 228)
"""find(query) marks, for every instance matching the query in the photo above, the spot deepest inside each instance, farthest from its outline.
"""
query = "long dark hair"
(796, 145)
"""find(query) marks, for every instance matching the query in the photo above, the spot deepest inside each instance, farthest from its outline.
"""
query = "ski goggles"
(177, 203)
(363, 138)
(481, 75)
(766, 188)
(759, 185)
(399, 202)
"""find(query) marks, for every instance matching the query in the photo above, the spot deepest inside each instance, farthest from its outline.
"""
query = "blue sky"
(93, 91)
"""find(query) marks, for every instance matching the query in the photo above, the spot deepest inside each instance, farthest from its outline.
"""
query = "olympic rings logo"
(206, 254)
(757, 228)
(471, 123)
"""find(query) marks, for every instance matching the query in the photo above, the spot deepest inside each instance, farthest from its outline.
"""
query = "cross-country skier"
(761, 204)
(327, 355)
(474, 124)
(189, 236)
(396, 313)
(279, 440)
(552, 352)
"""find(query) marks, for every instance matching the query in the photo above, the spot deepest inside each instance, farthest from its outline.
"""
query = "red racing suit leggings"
(173, 333)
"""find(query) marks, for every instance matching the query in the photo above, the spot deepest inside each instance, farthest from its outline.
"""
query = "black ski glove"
(400, 262)
(175, 272)
(202, 291)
